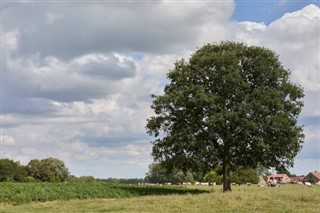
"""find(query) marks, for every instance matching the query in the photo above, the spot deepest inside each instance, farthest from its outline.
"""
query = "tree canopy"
(48, 169)
(230, 105)
(11, 171)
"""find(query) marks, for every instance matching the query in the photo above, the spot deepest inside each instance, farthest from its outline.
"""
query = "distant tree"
(262, 171)
(131, 180)
(34, 169)
(112, 180)
(231, 105)
(49, 169)
(82, 179)
(243, 175)
(189, 177)
(21, 172)
(11, 170)
(159, 174)
(87, 179)
(178, 176)
(212, 176)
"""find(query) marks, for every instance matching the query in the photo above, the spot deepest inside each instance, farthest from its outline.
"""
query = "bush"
(29, 179)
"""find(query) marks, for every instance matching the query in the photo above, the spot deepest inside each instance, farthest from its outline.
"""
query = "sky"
(76, 76)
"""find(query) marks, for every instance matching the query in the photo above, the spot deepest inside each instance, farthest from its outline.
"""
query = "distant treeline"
(90, 179)
(159, 174)
(54, 170)
(49, 170)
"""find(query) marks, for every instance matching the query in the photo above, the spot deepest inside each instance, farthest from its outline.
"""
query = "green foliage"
(112, 180)
(49, 169)
(29, 179)
(11, 171)
(159, 174)
(189, 177)
(242, 176)
(17, 193)
(82, 179)
(231, 105)
(212, 176)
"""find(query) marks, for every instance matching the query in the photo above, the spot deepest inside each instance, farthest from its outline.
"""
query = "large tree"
(230, 105)
(48, 169)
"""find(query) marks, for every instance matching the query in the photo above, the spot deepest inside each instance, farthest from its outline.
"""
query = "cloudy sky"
(76, 76)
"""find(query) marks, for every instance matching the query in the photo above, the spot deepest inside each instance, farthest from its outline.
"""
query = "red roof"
(297, 178)
(278, 175)
(316, 174)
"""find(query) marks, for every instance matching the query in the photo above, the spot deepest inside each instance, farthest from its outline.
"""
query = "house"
(280, 178)
(312, 177)
(296, 179)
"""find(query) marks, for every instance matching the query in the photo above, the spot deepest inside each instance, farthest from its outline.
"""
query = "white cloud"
(50, 79)
(73, 89)
(10, 41)
(78, 28)
(7, 140)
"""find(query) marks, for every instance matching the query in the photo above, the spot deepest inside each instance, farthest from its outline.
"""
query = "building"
(297, 179)
(312, 177)
(280, 178)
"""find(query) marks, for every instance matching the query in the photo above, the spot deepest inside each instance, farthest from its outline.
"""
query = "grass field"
(287, 198)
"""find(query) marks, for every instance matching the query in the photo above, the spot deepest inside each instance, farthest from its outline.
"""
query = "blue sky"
(267, 11)
(77, 76)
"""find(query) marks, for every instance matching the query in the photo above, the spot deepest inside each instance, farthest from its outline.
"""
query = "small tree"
(230, 105)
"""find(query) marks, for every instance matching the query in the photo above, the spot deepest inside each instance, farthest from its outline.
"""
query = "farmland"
(18, 193)
(126, 198)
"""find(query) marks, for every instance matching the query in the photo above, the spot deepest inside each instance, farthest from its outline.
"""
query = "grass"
(287, 198)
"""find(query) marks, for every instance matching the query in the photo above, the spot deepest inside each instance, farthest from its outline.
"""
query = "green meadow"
(100, 197)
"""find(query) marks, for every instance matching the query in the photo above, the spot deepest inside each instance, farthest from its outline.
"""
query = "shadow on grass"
(158, 190)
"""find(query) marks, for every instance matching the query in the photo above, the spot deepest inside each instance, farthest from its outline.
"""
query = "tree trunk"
(226, 176)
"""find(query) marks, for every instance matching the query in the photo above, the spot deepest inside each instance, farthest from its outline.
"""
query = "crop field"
(18, 193)
(128, 198)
